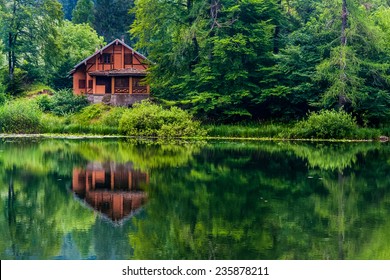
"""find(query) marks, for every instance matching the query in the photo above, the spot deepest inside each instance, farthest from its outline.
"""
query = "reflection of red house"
(111, 189)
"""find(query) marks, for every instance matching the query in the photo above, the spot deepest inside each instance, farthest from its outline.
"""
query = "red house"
(113, 75)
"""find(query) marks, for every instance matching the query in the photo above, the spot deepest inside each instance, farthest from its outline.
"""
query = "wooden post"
(130, 185)
(112, 85)
(93, 85)
(131, 85)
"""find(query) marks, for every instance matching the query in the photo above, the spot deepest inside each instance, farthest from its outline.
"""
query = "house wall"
(77, 76)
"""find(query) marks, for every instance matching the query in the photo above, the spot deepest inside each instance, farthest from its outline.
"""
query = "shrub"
(112, 117)
(146, 119)
(44, 102)
(65, 102)
(326, 124)
(90, 113)
(20, 116)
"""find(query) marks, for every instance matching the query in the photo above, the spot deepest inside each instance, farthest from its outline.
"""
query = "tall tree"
(209, 54)
(29, 32)
(67, 7)
(112, 19)
(84, 12)
(356, 68)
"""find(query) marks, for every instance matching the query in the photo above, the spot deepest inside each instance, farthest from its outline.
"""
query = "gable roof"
(116, 42)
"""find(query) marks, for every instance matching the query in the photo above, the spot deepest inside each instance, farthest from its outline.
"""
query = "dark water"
(93, 199)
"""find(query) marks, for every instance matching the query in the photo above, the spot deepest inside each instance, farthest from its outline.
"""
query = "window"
(128, 58)
(122, 82)
(81, 83)
(138, 86)
(122, 85)
(106, 58)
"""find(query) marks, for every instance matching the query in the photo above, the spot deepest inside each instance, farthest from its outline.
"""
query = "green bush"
(326, 124)
(112, 117)
(44, 102)
(20, 116)
(65, 102)
(146, 119)
(90, 114)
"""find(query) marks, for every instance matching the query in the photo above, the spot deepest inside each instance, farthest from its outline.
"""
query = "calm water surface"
(114, 199)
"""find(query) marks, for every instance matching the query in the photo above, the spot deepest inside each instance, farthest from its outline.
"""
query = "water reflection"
(220, 200)
(114, 190)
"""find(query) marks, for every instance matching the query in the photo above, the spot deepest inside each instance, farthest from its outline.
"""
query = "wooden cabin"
(113, 190)
(113, 75)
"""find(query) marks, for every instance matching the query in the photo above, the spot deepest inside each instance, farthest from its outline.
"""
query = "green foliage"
(147, 119)
(211, 61)
(20, 116)
(65, 102)
(3, 98)
(51, 123)
(112, 117)
(2, 94)
(37, 89)
(84, 12)
(326, 124)
(29, 31)
(44, 102)
(17, 85)
(112, 18)
(77, 41)
(67, 7)
(90, 113)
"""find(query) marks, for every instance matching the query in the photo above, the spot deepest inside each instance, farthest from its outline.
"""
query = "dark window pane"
(122, 82)
(128, 59)
(81, 83)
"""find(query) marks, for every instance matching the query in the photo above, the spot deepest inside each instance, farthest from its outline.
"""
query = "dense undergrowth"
(65, 113)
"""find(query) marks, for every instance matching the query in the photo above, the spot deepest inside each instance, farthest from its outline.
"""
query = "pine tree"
(68, 6)
(112, 19)
(84, 12)
(209, 55)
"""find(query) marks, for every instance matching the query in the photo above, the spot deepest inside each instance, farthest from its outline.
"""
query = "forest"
(223, 61)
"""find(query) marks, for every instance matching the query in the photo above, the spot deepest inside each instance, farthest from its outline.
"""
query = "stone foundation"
(125, 100)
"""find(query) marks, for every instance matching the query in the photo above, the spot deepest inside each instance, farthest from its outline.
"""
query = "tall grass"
(20, 116)
(248, 130)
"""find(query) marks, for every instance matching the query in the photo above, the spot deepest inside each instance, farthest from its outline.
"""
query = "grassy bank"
(65, 114)
(284, 131)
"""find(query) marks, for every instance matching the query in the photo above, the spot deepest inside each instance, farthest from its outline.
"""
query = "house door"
(106, 81)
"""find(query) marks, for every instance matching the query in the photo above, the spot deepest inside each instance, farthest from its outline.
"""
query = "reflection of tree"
(233, 202)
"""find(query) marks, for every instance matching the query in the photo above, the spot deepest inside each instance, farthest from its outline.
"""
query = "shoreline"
(95, 136)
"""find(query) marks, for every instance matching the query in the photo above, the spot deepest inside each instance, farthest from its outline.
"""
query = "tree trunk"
(11, 57)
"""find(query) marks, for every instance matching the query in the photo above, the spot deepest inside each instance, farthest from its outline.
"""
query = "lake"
(127, 199)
